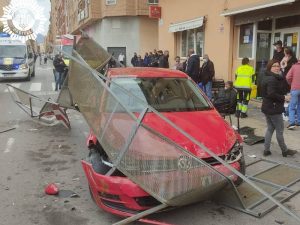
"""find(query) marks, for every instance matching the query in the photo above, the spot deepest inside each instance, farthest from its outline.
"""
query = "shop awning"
(261, 5)
(186, 25)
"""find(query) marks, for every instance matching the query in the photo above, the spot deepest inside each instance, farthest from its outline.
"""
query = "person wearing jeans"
(273, 107)
(293, 78)
(60, 67)
(207, 74)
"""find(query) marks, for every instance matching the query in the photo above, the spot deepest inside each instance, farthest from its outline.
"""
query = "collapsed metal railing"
(168, 172)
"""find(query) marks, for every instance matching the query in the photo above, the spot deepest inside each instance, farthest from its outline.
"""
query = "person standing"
(134, 60)
(147, 60)
(278, 51)
(60, 67)
(121, 58)
(244, 76)
(207, 73)
(286, 63)
(163, 60)
(293, 78)
(273, 107)
(178, 65)
(140, 61)
(193, 66)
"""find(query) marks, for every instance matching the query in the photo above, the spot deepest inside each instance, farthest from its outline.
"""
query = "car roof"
(145, 72)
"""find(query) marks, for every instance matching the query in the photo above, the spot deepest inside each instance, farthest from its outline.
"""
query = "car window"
(12, 51)
(163, 94)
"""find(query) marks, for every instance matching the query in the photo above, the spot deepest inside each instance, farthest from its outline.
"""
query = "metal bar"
(252, 163)
(273, 193)
(282, 201)
(30, 104)
(261, 172)
(247, 211)
(108, 121)
(284, 188)
(141, 215)
(134, 129)
(293, 166)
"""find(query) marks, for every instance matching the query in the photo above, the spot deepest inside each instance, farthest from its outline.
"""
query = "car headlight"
(23, 66)
(235, 154)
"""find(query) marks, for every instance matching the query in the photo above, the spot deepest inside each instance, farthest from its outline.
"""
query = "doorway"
(263, 53)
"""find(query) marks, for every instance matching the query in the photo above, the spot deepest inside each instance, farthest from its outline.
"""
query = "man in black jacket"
(60, 69)
(278, 52)
(193, 66)
(207, 73)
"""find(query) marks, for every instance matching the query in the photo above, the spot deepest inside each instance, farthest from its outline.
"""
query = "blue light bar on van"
(2, 34)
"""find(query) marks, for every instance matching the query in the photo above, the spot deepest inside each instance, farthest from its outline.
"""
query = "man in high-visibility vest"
(244, 76)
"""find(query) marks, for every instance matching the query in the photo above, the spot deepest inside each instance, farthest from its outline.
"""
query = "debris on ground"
(279, 221)
(252, 156)
(51, 189)
(67, 194)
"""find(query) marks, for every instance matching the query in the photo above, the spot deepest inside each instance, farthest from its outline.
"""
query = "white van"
(16, 60)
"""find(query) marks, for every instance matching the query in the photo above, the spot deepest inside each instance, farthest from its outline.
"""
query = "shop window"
(265, 25)
(287, 22)
(191, 39)
(246, 41)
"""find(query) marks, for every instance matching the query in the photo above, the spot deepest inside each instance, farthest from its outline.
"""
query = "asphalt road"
(34, 155)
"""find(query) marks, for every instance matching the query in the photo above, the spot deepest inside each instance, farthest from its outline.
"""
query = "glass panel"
(287, 22)
(265, 25)
(262, 56)
(191, 39)
(246, 40)
(199, 42)
(277, 37)
(163, 94)
(184, 43)
(291, 40)
(166, 171)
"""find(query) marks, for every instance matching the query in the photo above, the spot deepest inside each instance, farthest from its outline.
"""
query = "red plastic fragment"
(51, 189)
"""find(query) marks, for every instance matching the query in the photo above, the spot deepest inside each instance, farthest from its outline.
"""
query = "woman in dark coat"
(273, 107)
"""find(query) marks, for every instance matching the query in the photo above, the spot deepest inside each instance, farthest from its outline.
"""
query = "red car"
(166, 91)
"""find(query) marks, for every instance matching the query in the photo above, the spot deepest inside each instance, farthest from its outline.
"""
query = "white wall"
(117, 32)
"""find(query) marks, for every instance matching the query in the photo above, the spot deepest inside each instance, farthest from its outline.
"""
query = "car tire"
(96, 161)
(33, 72)
(28, 76)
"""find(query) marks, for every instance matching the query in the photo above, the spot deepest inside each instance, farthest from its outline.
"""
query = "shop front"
(257, 30)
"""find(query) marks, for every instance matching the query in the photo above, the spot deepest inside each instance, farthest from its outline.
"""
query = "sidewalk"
(256, 120)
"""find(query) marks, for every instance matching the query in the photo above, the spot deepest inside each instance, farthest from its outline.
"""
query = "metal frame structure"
(251, 181)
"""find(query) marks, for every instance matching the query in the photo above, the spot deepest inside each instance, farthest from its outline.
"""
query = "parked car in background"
(16, 59)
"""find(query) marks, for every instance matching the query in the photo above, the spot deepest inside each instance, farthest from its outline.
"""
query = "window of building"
(287, 22)
(246, 41)
(191, 39)
(152, 2)
(265, 25)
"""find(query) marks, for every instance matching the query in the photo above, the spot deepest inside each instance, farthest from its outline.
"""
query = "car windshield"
(163, 94)
(12, 51)
(68, 49)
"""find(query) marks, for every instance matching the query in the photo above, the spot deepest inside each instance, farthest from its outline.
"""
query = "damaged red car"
(176, 97)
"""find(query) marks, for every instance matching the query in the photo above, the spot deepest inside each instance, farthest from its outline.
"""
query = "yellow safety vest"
(244, 75)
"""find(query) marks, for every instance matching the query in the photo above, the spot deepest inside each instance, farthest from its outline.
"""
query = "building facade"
(117, 25)
(228, 30)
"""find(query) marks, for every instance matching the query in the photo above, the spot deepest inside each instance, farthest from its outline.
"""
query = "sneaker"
(291, 126)
(266, 153)
(289, 152)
